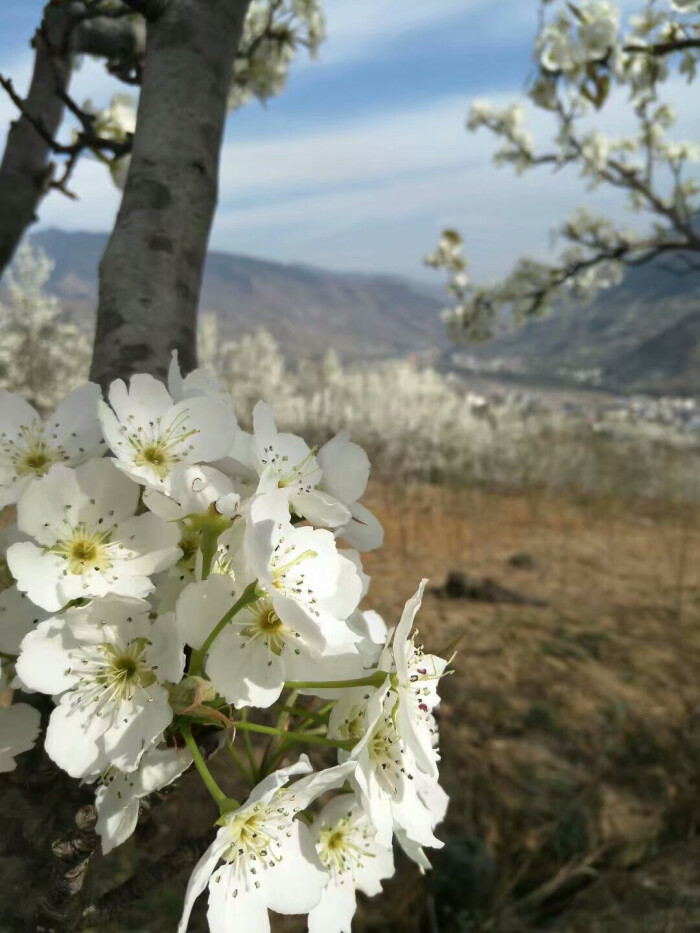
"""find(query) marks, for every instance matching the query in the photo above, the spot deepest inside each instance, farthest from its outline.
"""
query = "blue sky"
(364, 158)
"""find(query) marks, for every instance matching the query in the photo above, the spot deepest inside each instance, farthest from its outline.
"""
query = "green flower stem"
(286, 710)
(210, 540)
(294, 736)
(224, 803)
(250, 751)
(240, 764)
(8, 657)
(299, 711)
(372, 680)
(250, 594)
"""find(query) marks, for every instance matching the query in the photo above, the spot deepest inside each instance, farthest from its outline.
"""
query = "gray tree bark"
(151, 272)
(26, 168)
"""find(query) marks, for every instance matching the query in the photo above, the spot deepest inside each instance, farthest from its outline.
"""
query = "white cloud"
(375, 194)
(387, 144)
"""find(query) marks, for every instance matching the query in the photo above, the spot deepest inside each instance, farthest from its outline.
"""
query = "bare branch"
(86, 139)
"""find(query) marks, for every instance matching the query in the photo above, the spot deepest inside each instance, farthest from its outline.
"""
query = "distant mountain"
(643, 335)
(307, 310)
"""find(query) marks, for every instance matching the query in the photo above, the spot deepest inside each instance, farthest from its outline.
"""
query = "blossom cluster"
(171, 574)
(588, 53)
(273, 32)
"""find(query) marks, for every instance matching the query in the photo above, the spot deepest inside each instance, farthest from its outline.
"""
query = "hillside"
(643, 335)
(308, 310)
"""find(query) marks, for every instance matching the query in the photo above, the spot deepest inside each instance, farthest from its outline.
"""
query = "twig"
(664, 48)
(86, 138)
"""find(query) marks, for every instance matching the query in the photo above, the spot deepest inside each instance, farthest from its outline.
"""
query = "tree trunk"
(25, 171)
(26, 168)
(151, 272)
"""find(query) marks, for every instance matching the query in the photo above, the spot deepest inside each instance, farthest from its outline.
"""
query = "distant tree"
(42, 356)
(585, 53)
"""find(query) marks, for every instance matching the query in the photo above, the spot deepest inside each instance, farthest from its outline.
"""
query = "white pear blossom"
(357, 662)
(295, 468)
(194, 492)
(30, 445)
(268, 859)
(312, 586)
(573, 39)
(256, 653)
(391, 788)
(19, 728)
(118, 797)
(87, 540)
(347, 845)
(18, 617)
(415, 680)
(150, 434)
(198, 382)
(106, 664)
(345, 468)
(263, 602)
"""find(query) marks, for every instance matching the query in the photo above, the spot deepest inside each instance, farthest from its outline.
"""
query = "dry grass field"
(570, 730)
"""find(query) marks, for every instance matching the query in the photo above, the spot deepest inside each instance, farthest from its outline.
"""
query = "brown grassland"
(570, 731)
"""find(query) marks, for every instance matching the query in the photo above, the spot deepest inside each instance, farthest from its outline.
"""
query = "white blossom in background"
(589, 53)
(107, 664)
(87, 541)
(117, 122)
(273, 32)
(419, 424)
(42, 355)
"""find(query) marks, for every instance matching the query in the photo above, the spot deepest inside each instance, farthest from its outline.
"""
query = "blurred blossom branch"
(585, 53)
